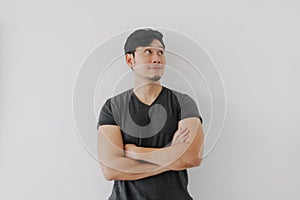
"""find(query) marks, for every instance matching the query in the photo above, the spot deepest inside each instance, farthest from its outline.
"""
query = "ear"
(129, 60)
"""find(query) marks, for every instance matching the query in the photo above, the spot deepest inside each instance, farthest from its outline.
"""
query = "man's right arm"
(114, 164)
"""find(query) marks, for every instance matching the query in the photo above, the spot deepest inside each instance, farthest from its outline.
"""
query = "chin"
(154, 78)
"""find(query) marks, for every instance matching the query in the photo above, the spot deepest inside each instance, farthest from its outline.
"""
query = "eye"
(147, 51)
(160, 53)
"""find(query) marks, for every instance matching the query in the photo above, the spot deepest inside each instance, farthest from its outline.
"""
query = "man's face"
(149, 62)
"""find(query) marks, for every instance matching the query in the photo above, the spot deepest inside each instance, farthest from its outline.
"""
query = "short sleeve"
(106, 116)
(188, 108)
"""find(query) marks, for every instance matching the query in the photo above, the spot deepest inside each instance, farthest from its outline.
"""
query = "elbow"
(108, 177)
(108, 173)
(194, 162)
(197, 162)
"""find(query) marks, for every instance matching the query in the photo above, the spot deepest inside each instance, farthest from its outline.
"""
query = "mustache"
(155, 66)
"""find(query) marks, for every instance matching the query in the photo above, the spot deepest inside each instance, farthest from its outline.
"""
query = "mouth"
(155, 67)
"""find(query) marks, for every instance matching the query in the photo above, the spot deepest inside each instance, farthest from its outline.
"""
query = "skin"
(129, 162)
(148, 65)
(186, 152)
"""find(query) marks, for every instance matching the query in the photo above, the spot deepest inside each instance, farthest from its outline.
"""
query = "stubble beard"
(154, 78)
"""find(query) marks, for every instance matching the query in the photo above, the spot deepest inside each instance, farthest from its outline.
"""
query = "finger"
(186, 131)
(183, 136)
(183, 139)
(182, 128)
(188, 138)
(179, 132)
(176, 137)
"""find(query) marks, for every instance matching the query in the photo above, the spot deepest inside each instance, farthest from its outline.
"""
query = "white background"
(255, 44)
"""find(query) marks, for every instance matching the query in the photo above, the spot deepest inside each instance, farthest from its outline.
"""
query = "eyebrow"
(154, 47)
(141, 48)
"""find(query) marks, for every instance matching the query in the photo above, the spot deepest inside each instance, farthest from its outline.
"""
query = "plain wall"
(255, 45)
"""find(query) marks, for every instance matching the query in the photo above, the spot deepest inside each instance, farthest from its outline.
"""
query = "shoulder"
(186, 104)
(118, 98)
(180, 96)
(112, 105)
(123, 95)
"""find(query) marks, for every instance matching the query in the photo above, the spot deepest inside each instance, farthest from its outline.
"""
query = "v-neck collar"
(155, 100)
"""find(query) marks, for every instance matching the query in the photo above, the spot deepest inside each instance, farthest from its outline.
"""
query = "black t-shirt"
(150, 126)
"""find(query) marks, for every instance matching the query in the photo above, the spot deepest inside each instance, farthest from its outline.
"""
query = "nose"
(155, 59)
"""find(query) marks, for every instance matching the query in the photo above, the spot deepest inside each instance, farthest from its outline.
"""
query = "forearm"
(181, 155)
(173, 157)
(122, 168)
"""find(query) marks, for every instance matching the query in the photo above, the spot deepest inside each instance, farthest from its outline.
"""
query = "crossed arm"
(114, 164)
(139, 162)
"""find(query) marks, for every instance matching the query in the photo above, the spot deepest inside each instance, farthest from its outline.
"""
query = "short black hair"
(142, 38)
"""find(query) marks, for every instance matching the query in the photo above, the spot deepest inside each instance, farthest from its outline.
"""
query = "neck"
(147, 91)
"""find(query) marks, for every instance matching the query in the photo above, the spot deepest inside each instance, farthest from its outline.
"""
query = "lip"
(155, 67)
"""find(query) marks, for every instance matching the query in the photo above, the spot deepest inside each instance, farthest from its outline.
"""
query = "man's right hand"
(180, 136)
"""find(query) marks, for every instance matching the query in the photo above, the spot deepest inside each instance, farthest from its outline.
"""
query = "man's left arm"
(176, 157)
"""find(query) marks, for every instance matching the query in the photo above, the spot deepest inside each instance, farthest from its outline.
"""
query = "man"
(149, 135)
